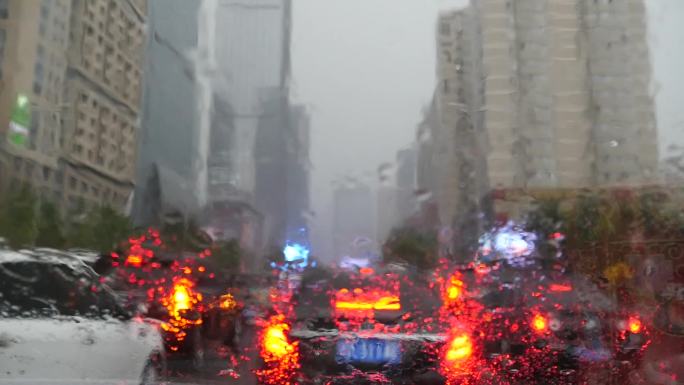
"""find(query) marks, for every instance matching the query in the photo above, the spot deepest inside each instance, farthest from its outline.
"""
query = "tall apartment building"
(566, 93)
(69, 110)
(103, 96)
(34, 37)
(536, 94)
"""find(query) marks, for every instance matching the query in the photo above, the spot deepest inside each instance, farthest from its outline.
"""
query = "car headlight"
(591, 324)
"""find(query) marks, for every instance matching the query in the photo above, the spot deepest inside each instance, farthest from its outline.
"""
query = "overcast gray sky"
(366, 68)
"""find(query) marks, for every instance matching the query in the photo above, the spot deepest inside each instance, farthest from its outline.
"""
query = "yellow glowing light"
(634, 325)
(227, 302)
(181, 298)
(134, 260)
(460, 348)
(275, 341)
(539, 323)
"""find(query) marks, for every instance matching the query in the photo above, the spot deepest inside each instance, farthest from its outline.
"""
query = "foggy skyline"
(366, 69)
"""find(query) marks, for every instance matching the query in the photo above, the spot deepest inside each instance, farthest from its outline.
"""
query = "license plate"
(368, 351)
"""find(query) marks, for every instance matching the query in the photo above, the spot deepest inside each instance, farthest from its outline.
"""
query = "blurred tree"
(181, 234)
(227, 254)
(100, 230)
(411, 246)
(50, 229)
(18, 218)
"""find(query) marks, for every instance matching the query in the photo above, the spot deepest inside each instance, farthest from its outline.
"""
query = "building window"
(38, 71)
(46, 173)
(29, 169)
(3, 37)
(444, 29)
(33, 130)
(72, 182)
(4, 9)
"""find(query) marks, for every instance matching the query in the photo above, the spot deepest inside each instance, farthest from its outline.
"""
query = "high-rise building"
(407, 201)
(298, 175)
(566, 100)
(34, 37)
(535, 94)
(251, 62)
(103, 96)
(169, 154)
(70, 123)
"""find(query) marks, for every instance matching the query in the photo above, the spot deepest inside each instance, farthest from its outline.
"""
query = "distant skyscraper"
(251, 53)
(169, 147)
(354, 224)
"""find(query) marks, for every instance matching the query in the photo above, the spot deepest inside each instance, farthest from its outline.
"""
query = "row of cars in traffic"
(484, 322)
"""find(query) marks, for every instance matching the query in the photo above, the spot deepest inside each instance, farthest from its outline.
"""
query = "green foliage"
(101, 230)
(18, 222)
(50, 227)
(184, 235)
(411, 246)
(228, 254)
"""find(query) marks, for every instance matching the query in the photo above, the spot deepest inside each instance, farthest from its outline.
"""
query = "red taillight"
(539, 323)
(634, 325)
(560, 288)
(460, 348)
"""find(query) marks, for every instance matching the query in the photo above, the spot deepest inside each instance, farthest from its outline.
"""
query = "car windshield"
(282, 192)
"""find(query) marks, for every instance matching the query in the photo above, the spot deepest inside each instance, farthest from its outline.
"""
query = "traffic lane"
(223, 364)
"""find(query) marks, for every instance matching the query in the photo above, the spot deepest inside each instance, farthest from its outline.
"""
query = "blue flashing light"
(296, 253)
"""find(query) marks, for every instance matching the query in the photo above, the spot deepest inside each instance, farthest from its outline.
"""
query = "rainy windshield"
(311, 192)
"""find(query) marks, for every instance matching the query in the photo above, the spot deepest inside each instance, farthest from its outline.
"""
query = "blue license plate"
(368, 351)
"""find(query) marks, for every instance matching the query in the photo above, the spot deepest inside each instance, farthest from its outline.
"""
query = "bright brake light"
(634, 325)
(539, 323)
(134, 260)
(181, 298)
(454, 289)
(460, 348)
(360, 300)
(275, 343)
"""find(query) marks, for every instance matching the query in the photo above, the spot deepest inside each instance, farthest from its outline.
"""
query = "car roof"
(46, 256)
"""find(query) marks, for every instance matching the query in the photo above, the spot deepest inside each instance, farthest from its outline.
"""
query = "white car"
(59, 325)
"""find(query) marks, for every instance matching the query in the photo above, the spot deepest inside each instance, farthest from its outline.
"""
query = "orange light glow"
(227, 302)
(454, 289)
(281, 357)
(560, 288)
(460, 348)
(275, 341)
(539, 323)
(371, 300)
(134, 260)
(366, 270)
(181, 298)
(634, 325)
